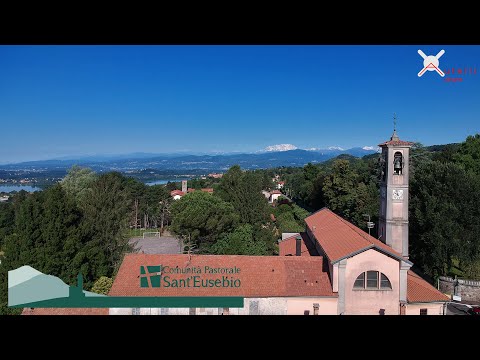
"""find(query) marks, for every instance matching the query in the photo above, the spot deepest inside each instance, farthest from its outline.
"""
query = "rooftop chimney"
(298, 246)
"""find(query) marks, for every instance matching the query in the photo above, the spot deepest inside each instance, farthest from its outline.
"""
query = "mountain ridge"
(293, 157)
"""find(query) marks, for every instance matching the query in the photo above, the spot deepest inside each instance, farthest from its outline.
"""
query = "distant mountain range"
(272, 156)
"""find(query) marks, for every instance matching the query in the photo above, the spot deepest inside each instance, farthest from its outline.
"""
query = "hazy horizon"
(75, 101)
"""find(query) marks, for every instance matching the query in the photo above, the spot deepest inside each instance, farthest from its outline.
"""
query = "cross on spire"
(394, 135)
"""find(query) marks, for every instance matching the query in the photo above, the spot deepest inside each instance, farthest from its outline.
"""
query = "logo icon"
(150, 276)
(431, 62)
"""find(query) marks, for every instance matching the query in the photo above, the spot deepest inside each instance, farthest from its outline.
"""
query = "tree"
(46, 234)
(102, 285)
(7, 220)
(201, 218)
(468, 154)
(445, 217)
(244, 191)
(339, 189)
(240, 242)
(106, 214)
(286, 222)
(78, 182)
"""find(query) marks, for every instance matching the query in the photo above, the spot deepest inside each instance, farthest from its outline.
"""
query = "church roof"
(260, 276)
(418, 290)
(395, 141)
(341, 239)
(288, 246)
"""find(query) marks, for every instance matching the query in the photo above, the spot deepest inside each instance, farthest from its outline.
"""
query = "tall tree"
(340, 189)
(244, 191)
(201, 217)
(106, 210)
(7, 220)
(468, 154)
(444, 216)
(78, 182)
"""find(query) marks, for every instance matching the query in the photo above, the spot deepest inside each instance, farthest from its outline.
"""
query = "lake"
(10, 188)
(162, 182)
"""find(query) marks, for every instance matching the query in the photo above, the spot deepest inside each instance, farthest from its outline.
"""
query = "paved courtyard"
(157, 245)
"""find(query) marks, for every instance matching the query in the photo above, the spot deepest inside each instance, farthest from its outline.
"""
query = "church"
(331, 268)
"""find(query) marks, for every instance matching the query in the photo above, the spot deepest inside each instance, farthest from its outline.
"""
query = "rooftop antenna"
(370, 224)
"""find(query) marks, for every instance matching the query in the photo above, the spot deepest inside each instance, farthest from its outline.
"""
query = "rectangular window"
(384, 282)
(136, 311)
(372, 279)
(306, 312)
(226, 311)
(316, 307)
(192, 311)
(360, 282)
(423, 311)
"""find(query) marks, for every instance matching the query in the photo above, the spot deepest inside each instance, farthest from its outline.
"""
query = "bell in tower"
(393, 220)
(397, 163)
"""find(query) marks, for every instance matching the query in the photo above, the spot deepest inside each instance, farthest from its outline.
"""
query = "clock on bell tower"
(393, 221)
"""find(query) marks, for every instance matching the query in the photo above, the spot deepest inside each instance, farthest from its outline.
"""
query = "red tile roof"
(260, 276)
(418, 290)
(190, 190)
(176, 192)
(288, 246)
(396, 143)
(340, 238)
(275, 192)
(209, 190)
(65, 311)
(281, 182)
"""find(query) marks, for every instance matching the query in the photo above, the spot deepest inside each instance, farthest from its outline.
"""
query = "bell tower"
(393, 221)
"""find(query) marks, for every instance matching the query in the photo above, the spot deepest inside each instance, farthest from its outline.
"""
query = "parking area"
(157, 245)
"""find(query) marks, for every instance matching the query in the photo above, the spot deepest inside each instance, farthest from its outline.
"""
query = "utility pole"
(370, 224)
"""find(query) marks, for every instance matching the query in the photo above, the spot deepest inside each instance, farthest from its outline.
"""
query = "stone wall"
(468, 290)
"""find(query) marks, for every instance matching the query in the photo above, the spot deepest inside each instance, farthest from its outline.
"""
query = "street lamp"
(370, 224)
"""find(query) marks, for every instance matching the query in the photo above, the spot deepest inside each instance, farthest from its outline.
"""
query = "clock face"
(397, 195)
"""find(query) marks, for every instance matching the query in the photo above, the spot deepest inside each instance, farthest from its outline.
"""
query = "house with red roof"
(274, 195)
(177, 194)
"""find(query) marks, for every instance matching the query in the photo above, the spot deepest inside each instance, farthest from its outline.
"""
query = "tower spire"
(394, 135)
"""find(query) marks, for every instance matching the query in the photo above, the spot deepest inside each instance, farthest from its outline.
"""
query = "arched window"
(372, 280)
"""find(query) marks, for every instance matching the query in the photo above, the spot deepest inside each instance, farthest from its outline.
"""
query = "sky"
(58, 101)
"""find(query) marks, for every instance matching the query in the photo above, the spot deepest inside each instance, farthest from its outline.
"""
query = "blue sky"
(75, 100)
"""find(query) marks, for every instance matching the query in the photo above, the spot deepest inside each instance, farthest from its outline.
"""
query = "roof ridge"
(276, 257)
(354, 228)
